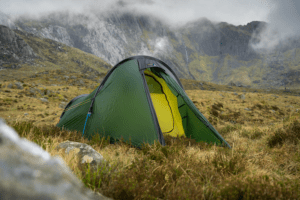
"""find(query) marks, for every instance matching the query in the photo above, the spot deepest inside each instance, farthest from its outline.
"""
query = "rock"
(231, 83)
(44, 100)
(26, 114)
(235, 93)
(48, 92)
(81, 82)
(19, 85)
(273, 111)
(289, 106)
(39, 91)
(248, 109)
(62, 105)
(66, 77)
(10, 86)
(221, 95)
(29, 172)
(242, 96)
(14, 45)
(32, 91)
(85, 153)
(73, 77)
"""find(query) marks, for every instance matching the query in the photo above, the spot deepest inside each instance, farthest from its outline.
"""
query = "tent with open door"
(140, 100)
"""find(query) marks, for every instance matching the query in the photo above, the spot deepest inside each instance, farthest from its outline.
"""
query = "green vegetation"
(202, 67)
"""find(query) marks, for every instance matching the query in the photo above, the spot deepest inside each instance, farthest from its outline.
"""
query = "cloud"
(282, 15)
(174, 12)
(283, 24)
(158, 47)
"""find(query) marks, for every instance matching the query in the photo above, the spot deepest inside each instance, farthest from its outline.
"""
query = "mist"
(173, 12)
(159, 46)
(283, 25)
(282, 16)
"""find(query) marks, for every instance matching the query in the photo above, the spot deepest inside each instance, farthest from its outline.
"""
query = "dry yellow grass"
(206, 171)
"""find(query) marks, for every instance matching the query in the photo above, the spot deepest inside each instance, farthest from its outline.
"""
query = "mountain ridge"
(201, 50)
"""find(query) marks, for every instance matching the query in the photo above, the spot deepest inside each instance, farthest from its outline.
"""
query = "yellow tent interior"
(165, 105)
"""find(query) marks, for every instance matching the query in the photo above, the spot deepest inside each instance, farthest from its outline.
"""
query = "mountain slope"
(32, 55)
(201, 50)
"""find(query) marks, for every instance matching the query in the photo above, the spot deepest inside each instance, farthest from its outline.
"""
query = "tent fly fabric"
(140, 100)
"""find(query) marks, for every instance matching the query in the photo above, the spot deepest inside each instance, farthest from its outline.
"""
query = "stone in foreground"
(28, 172)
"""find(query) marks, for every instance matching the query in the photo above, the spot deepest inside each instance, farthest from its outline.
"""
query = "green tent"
(140, 100)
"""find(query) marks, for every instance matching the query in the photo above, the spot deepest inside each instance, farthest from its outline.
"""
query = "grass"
(264, 162)
(183, 169)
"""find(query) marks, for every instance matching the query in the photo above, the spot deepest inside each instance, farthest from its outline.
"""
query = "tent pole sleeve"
(92, 104)
(87, 116)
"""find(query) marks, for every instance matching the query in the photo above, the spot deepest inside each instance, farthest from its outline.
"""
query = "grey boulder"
(85, 153)
(242, 96)
(19, 85)
(29, 172)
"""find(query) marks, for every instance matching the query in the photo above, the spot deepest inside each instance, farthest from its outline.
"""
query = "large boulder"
(29, 172)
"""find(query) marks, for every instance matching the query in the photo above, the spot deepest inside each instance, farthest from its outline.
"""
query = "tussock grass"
(289, 133)
(184, 169)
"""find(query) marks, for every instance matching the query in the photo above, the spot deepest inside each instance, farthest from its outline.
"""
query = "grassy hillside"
(54, 56)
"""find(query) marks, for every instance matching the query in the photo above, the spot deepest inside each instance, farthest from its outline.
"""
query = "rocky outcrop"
(85, 153)
(28, 172)
(13, 48)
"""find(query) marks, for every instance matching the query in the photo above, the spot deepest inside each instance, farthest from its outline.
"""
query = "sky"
(237, 12)
(281, 15)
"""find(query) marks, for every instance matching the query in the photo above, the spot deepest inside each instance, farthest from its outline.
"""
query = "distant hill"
(201, 50)
(23, 55)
